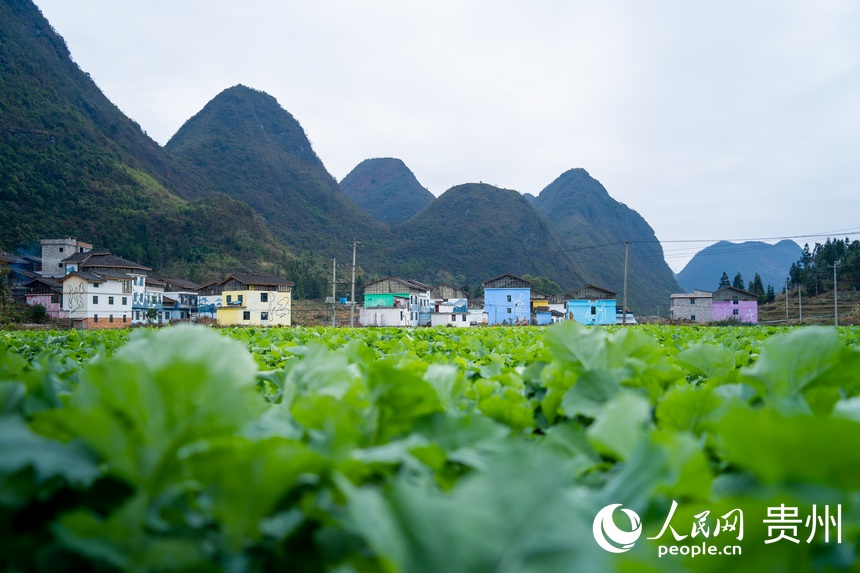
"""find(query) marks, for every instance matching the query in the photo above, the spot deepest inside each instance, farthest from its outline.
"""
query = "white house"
(97, 299)
(390, 293)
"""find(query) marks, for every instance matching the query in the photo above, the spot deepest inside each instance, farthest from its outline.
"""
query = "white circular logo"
(609, 536)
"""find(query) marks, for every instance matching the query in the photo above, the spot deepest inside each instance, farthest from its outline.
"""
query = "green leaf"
(808, 357)
(162, 391)
(786, 449)
(592, 391)
(21, 448)
(683, 408)
(620, 425)
(260, 474)
(519, 515)
(709, 360)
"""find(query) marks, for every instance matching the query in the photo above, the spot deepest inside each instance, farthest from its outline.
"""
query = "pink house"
(730, 303)
(49, 293)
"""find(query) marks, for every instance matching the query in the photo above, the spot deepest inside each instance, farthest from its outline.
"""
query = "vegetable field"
(493, 449)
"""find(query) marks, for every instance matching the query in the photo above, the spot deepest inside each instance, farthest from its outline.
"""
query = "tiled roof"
(186, 285)
(108, 260)
(255, 279)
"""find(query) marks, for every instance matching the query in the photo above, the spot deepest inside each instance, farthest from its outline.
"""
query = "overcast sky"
(714, 120)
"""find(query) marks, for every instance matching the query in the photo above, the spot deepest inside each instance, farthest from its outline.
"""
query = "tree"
(756, 287)
(724, 280)
(37, 314)
(771, 295)
(738, 281)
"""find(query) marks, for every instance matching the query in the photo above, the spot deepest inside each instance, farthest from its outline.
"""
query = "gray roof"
(255, 279)
(103, 259)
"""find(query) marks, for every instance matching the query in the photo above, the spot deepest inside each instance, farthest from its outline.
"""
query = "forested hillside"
(386, 189)
(593, 227)
(72, 164)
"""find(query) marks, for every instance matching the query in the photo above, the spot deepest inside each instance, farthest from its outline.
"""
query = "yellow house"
(255, 300)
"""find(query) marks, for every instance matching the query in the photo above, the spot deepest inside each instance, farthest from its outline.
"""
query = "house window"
(95, 318)
(510, 310)
(123, 318)
(735, 312)
(95, 285)
(734, 301)
(124, 300)
(110, 300)
(110, 318)
(246, 315)
(593, 310)
(692, 317)
(239, 298)
(264, 316)
(95, 299)
(692, 301)
(55, 299)
(126, 286)
(509, 298)
(229, 298)
(264, 297)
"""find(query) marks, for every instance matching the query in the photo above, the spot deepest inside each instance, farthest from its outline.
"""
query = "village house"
(591, 304)
(55, 251)
(180, 300)
(395, 302)
(98, 289)
(449, 307)
(47, 292)
(730, 303)
(726, 303)
(258, 300)
(97, 299)
(507, 300)
(694, 306)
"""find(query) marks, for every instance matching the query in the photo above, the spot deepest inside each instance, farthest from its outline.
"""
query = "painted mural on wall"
(208, 305)
(601, 311)
(76, 297)
(280, 308)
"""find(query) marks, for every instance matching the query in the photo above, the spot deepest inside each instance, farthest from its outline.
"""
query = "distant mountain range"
(771, 262)
(239, 188)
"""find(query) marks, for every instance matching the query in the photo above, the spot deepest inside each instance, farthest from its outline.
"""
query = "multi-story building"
(180, 300)
(97, 299)
(507, 300)
(55, 251)
(591, 304)
(261, 300)
(694, 306)
(395, 302)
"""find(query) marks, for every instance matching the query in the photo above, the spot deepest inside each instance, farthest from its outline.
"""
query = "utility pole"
(333, 291)
(786, 299)
(352, 292)
(624, 298)
(835, 297)
(800, 302)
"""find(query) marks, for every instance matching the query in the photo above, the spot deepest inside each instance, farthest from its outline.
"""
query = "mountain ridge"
(386, 189)
(771, 262)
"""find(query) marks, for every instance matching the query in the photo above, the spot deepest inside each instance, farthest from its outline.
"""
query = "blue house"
(507, 300)
(591, 304)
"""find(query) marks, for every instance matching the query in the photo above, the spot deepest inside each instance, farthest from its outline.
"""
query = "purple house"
(730, 303)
